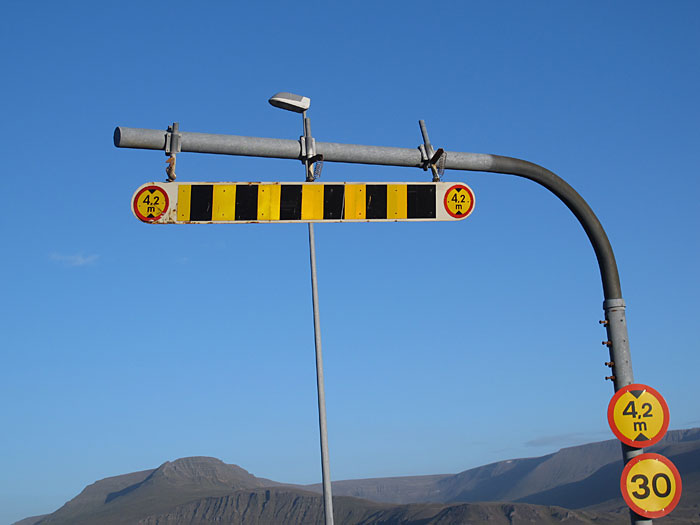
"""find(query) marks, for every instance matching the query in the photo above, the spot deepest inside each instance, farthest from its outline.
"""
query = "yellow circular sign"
(651, 485)
(459, 201)
(638, 415)
(150, 203)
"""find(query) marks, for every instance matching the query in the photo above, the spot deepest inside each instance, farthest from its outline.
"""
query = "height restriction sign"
(638, 415)
(150, 203)
(459, 201)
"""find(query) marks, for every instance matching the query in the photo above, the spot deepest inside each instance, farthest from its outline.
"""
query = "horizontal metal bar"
(290, 149)
(388, 156)
(208, 143)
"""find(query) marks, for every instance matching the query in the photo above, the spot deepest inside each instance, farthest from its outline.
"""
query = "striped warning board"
(246, 202)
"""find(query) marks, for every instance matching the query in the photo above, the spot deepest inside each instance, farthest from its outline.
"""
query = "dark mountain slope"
(157, 490)
(410, 489)
(30, 521)
(596, 489)
(294, 507)
(514, 480)
(193, 491)
(93, 496)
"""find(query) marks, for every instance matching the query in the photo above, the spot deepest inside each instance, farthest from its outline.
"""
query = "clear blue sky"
(446, 345)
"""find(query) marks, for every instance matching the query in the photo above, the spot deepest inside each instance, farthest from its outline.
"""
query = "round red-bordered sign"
(459, 201)
(150, 203)
(651, 485)
(638, 415)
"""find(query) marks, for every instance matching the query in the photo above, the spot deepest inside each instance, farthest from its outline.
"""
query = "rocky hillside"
(293, 507)
(198, 490)
(129, 496)
(575, 477)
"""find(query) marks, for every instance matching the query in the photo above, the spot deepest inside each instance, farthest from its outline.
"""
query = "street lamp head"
(290, 102)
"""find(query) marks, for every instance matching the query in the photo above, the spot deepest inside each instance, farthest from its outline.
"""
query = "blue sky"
(446, 345)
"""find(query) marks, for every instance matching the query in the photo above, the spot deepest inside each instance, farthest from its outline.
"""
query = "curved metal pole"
(617, 331)
(614, 305)
(353, 153)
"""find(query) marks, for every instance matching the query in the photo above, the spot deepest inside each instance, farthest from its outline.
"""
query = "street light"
(299, 104)
(290, 102)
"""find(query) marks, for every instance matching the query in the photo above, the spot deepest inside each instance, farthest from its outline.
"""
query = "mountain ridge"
(512, 479)
(182, 480)
(575, 484)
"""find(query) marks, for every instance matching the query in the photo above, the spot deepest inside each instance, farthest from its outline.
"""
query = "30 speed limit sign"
(651, 485)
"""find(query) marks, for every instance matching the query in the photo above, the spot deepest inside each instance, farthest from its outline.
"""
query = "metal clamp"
(313, 162)
(435, 160)
(172, 148)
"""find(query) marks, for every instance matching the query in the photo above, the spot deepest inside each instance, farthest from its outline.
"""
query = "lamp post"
(299, 104)
(307, 149)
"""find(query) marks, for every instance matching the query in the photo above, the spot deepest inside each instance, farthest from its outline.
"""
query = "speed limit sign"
(651, 485)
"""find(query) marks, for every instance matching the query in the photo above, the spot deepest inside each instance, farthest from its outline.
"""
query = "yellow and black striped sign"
(246, 202)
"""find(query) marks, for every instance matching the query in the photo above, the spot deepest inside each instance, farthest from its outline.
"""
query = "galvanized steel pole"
(320, 389)
(613, 305)
(325, 460)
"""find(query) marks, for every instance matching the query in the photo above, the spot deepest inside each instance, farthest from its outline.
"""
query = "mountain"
(30, 521)
(198, 490)
(575, 477)
(125, 497)
(294, 507)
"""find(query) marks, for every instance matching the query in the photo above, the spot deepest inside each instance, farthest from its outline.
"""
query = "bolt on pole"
(613, 305)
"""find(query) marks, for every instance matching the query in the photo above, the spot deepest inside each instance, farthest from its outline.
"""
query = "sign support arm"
(616, 326)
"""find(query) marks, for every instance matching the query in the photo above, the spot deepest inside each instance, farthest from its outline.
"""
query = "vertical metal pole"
(325, 462)
(622, 365)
